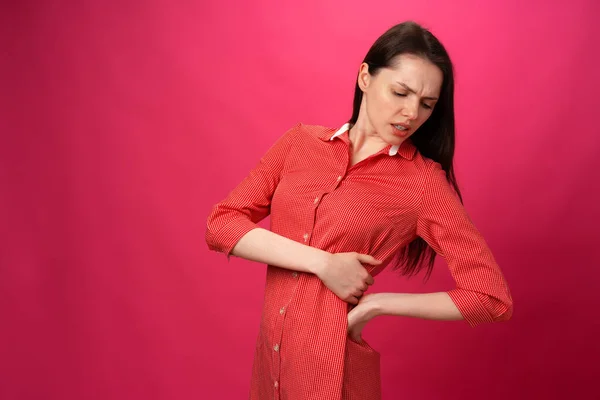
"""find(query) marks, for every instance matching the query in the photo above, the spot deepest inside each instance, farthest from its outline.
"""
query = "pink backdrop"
(124, 122)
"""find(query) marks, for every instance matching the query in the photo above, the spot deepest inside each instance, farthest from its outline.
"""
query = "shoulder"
(432, 175)
(302, 133)
(315, 131)
(427, 167)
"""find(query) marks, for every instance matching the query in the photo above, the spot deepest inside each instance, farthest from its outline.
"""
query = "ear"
(364, 77)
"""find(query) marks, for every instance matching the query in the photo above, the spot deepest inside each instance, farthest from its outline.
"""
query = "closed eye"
(426, 106)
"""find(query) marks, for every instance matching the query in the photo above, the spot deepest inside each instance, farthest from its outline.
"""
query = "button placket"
(278, 334)
(281, 318)
(275, 347)
(338, 182)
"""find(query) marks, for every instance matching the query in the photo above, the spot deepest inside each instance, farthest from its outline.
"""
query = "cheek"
(381, 108)
(375, 105)
(387, 107)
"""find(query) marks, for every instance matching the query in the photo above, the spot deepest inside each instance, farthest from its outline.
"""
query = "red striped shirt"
(377, 206)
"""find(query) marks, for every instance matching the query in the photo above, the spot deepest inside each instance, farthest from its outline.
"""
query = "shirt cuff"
(227, 237)
(470, 306)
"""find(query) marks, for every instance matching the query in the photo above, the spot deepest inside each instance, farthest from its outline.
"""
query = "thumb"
(365, 258)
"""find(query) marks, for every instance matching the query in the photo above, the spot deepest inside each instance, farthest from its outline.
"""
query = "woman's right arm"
(232, 228)
(249, 203)
(342, 273)
(264, 246)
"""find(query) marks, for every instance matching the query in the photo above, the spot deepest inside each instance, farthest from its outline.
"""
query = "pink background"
(124, 122)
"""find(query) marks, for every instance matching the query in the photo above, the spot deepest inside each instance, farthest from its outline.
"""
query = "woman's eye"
(426, 106)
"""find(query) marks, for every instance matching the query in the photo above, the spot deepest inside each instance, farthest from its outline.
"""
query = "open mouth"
(401, 130)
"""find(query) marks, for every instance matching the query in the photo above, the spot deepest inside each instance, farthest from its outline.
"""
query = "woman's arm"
(232, 228)
(342, 273)
(481, 293)
(250, 201)
(264, 246)
(437, 306)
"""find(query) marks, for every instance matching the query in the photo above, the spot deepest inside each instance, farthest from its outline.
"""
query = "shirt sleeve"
(249, 202)
(481, 293)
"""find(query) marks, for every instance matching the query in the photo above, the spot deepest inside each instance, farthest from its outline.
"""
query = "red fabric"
(375, 207)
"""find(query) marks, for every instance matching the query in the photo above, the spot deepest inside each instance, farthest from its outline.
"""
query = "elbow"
(499, 304)
(222, 234)
(499, 308)
(211, 236)
(211, 239)
(215, 231)
(505, 312)
(478, 308)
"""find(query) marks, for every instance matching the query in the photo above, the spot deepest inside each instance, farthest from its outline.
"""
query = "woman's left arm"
(481, 293)
(439, 306)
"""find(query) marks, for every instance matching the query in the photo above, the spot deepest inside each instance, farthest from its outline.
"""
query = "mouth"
(401, 129)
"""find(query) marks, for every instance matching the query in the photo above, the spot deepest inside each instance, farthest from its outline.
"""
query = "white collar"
(346, 126)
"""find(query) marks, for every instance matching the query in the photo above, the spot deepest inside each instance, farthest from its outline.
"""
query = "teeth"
(400, 127)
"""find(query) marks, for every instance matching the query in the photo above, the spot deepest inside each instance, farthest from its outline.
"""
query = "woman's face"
(399, 99)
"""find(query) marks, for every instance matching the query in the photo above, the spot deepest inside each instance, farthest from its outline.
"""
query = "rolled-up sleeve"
(481, 293)
(249, 202)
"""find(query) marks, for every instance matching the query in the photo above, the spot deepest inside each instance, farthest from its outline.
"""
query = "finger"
(352, 300)
(357, 293)
(365, 258)
(369, 280)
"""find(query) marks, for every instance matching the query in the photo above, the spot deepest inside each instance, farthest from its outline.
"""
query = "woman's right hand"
(344, 275)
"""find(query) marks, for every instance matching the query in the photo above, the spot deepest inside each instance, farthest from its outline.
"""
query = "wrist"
(374, 305)
(317, 261)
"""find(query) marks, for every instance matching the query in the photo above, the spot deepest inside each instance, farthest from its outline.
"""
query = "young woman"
(344, 204)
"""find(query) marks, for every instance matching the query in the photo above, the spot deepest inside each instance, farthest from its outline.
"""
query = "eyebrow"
(413, 91)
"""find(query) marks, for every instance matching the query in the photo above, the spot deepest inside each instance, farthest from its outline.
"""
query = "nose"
(411, 111)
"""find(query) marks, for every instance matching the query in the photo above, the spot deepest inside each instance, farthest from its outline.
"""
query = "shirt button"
(305, 237)
(276, 384)
(339, 178)
(282, 310)
(295, 274)
(316, 200)
(276, 347)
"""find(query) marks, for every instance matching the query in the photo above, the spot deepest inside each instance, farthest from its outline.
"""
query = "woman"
(343, 203)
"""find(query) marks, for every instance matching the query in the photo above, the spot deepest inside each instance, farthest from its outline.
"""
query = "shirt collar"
(407, 149)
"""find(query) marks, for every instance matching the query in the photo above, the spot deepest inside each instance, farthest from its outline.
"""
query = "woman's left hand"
(363, 312)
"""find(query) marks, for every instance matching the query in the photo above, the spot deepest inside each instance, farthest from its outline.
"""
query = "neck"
(365, 140)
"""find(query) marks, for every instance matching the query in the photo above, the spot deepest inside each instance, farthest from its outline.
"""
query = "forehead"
(416, 72)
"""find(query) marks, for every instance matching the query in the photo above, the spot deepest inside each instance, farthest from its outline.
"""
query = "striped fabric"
(375, 207)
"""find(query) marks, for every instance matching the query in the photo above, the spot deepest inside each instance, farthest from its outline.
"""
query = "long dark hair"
(435, 139)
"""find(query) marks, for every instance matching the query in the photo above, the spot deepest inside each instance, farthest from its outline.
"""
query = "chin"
(394, 138)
